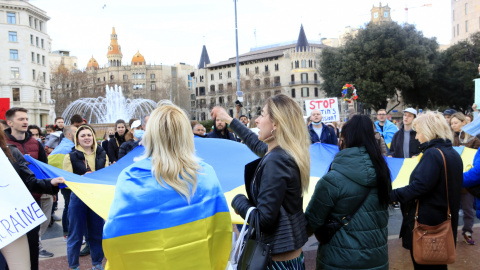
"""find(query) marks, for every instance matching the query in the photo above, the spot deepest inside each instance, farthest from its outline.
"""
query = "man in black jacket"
(404, 144)
(220, 131)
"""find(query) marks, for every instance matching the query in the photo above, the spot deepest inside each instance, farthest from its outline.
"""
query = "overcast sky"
(168, 32)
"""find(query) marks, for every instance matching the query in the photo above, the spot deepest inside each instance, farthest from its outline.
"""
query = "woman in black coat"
(15, 252)
(275, 182)
(115, 143)
(427, 182)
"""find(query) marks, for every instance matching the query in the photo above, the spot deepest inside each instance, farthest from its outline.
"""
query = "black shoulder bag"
(256, 253)
(325, 233)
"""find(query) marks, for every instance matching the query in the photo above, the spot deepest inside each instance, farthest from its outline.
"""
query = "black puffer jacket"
(273, 185)
(114, 146)
(427, 183)
(127, 147)
(42, 186)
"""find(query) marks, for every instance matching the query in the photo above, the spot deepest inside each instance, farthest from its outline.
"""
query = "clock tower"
(380, 14)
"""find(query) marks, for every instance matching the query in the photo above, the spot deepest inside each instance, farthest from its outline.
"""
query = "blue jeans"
(80, 219)
(66, 196)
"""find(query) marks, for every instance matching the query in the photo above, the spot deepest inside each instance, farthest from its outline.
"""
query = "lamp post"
(239, 92)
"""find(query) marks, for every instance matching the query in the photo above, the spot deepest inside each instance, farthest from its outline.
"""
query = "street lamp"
(239, 92)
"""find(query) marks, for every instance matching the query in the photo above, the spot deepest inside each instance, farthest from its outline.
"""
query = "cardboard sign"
(327, 106)
(4, 106)
(19, 212)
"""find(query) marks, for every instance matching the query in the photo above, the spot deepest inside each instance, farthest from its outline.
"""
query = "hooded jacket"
(114, 146)
(77, 160)
(389, 129)
(362, 244)
(215, 133)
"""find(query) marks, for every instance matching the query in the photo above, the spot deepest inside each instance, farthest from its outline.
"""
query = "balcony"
(201, 106)
(276, 84)
(316, 82)
(211, 93)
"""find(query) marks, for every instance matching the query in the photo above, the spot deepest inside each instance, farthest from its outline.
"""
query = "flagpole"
(239, 92)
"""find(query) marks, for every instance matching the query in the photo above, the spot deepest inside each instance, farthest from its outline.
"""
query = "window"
(276, 80)
(125, 77)
(33, 74)
(466, 26)
(33, 57)
(293, 93)
(14, 72)
(466, 8)
(267, 94)
(13, 54)
(385, 14)
(152, 76)
(220, 88)
(229, 86)
(305, 92)
(112, 77)
(201, 78)
(212, 88)
(266, 81)
(152, 87)
(134, 76)
(297, 64)
(247, 84)
(11, 18)
(316, 92)
(40, 95)
(38, 58)
(266, 68)
(375, 15)
(454, 31)
(304, 77)
(247, 71)
(315, 76)
(229, 74)
(310, 63)
(304, 63)
(257, 83)
(219, 75)
(42, 44)
(35, 23)
(41, 25)
(12, 36)
(292, 78)
(31, 39)
(276, 67)
(43, 60)
(137, 86)
(30, 20)
(212, 77)
(44, 77)
(16, 94)
(36, 41)
(256, 70)
(458, 29)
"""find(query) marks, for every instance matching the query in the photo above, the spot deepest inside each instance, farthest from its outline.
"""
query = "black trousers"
(32, 237)
(417, 266)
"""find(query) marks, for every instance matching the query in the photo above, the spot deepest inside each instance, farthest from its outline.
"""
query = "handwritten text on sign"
(328, 107)
(19, 212)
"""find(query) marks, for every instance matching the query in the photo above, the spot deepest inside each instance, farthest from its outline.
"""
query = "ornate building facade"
(288, 69)
(137, 79)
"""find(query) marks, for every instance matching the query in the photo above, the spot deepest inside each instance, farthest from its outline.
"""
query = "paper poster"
(327, 106)
(19, 213)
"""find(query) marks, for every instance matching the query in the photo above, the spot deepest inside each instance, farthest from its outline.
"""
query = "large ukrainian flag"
(151, 226)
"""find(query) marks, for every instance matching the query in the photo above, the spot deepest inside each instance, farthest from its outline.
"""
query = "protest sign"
(19, 212)
(327, 106)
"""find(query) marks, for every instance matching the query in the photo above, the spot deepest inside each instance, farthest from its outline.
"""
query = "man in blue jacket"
(385, 127)
(319, 132)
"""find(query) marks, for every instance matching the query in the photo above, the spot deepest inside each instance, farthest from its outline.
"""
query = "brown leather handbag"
(434, 244)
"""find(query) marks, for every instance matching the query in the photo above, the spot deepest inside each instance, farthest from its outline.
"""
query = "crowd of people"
(357, 186)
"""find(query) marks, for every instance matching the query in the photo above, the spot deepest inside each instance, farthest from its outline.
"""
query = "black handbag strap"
(349, 217)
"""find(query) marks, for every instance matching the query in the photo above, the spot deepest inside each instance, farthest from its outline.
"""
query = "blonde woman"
(168, 205)
(275, 183)
(460, 138)
(427, 181)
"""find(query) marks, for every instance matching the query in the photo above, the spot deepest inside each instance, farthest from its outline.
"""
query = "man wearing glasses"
(385, 127)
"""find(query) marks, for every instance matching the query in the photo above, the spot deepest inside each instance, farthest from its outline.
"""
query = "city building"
(24, 56)
(380, 14)
(63, 59)
(465, 19)
(289, 69)
(137, 79)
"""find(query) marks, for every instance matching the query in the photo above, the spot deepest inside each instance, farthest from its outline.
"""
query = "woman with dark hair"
(85, 158)
(16, 252)
(133, 137)
(275, 182)
(115, 143)
(357, 184)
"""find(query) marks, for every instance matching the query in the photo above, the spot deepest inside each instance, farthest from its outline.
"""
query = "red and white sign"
(327, 106)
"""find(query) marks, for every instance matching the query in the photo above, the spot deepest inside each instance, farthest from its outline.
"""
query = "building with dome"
(291, 69)
(137, 78)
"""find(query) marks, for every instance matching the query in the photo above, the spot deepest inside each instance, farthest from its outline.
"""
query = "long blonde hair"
(291, 134)
(168, 140)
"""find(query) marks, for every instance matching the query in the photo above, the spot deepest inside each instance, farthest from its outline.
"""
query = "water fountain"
(109, 109)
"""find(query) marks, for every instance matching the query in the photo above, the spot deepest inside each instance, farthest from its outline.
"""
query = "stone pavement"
(399, 257)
